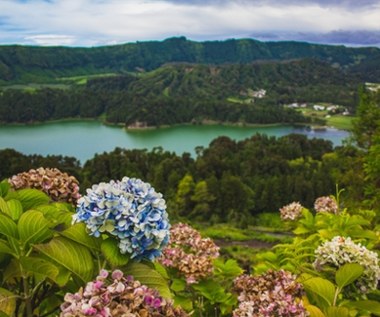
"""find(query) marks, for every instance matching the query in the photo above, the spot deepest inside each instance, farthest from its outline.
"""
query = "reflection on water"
(83, 139)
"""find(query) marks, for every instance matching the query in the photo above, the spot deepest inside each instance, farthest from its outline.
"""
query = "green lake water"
(82, 139)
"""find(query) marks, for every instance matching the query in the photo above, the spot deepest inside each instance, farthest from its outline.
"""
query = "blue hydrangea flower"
(129, 210)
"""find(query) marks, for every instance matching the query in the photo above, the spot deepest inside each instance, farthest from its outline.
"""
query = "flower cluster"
(189, 253)
(292, 211)
(326, 204)
(117, 296)
(341, 250)
(130, 211)
(59, 186)
(275, 293)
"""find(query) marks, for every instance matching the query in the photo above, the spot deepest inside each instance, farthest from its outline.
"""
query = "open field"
(59, 83)
(338, 121)
(82, 80)
(34, 87)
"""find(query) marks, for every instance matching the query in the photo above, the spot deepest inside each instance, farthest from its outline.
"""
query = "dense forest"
(24, 64)
(188, 93)
(232, 181)
(226, 181)
(180, 81)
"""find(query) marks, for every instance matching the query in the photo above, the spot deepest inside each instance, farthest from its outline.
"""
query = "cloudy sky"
(100, 22)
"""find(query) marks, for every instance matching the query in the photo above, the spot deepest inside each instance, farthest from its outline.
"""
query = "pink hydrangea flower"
(189, 253)
(58, 185)
(326, 204)
(275, 293)
(291, 212)
(118, 296)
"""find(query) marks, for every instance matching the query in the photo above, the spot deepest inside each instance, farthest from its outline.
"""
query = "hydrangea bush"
(130, 211)
(292, 212)
(117, 295)
(326, 204)
(275, 293)
(58, 185)
(341, 250)
(189, 253)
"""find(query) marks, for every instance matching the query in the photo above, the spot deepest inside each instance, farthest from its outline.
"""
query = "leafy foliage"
(42, 255)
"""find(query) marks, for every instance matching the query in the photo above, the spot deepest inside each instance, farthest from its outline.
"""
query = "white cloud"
(95, 22)
(51, 39)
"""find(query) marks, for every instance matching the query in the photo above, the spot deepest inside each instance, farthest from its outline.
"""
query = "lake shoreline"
(83, 139)
(167, 126)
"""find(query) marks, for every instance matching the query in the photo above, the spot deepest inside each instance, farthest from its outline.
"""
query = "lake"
(83, 139)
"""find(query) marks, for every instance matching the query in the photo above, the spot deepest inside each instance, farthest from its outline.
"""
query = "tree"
(202, 199)
(367, 126)
(185, 191)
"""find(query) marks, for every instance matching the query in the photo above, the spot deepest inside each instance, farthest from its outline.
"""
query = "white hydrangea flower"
(341, 250)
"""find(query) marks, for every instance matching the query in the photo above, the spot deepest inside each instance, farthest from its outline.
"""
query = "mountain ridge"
(22, 64)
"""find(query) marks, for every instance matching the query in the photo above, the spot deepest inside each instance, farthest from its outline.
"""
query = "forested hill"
(184, 93)
(39, 64)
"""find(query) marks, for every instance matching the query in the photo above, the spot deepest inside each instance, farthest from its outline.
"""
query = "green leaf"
(178, 285)
(63, 277)
(326, 233)
(161, 270)
(4, 188)
(347, 274)
(71, 255)
(322, 288)
(57, 213)
(15, 245)
(212, 290)
(79, 234)
(111, 252)
(361, 233)
(184, 302)
(15, 208)
(33, 227)
(314, 311)
(148, 276)
(12, 208)
(337, 312)
(5, 248)
(301, 230)
(8, 227)
(7, 302)
(31, 197)
(227, 305)
(228, 269)
(357, 220)
(367, 305)
(12, 270)
(269, 256)
(4, 208)
(34, 265)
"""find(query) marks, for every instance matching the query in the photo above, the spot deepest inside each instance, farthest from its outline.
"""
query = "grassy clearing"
(238, 100)
(336, 120)
(340, 122)
(34, 87)
(166, 92)
(234, 100)
(244, 255)
(245, 245)
(229, 233)
(82, 80)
